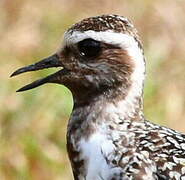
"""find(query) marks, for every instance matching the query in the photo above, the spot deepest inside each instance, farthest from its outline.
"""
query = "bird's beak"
(52, 61)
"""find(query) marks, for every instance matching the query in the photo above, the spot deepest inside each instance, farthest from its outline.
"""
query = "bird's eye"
(89, 48)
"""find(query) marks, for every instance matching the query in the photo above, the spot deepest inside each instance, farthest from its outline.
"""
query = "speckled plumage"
(139, 150)
(108, 137)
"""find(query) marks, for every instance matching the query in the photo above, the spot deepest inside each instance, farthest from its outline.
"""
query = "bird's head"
(99, 55)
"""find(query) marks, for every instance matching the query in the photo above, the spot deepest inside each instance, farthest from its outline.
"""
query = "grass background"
(33, 124)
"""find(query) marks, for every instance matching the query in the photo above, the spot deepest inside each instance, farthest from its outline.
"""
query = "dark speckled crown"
(102, 23)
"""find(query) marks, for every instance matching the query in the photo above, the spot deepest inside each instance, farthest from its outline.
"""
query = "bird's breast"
(96, 152)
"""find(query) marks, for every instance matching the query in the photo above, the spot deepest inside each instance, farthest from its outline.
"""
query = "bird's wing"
(156, 153)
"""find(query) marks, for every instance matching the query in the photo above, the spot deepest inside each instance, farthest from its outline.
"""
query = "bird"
(102, 62)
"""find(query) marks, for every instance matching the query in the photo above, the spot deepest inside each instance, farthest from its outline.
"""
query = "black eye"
(89, 48)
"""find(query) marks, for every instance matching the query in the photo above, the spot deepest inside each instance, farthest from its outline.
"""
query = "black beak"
(52, 61)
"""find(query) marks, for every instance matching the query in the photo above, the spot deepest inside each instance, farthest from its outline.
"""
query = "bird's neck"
(102, 111)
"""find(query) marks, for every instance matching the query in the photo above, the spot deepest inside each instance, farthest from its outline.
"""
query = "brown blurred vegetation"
(33, 124)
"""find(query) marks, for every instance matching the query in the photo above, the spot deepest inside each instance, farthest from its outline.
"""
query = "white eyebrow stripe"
(109, 37)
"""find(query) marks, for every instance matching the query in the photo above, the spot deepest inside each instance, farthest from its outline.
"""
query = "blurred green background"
(33, 124)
